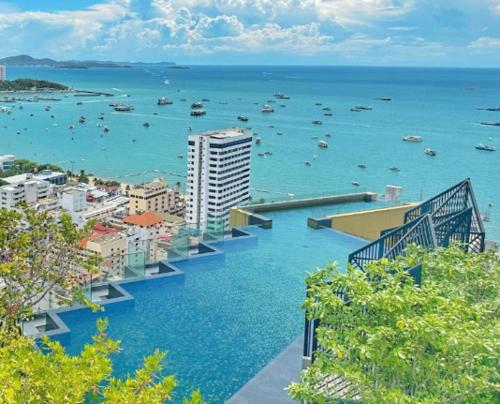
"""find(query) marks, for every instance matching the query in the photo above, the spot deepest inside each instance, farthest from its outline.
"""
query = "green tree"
(39, 255)
(83, 177)
(398, 342)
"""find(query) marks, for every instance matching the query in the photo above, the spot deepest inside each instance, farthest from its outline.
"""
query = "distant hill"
(26, 60)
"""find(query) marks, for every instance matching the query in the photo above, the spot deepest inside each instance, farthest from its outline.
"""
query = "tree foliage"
(23, 166)
(400, 342)
(39, 255)
(49, 375)
(30, 84)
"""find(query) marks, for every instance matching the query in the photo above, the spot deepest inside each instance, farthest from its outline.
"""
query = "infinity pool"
(229, 315)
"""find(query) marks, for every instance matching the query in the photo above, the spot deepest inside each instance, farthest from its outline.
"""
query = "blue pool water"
(437, 104)
(229, 315)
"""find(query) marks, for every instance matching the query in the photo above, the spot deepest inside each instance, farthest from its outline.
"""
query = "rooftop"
(146, 219)
(222, 133)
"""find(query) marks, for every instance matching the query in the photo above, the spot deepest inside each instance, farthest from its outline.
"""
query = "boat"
(317, 123)
(328, 114)
(395, 169)
(180, 156)
(146, 124)
(106, 129)
(266, 108)
(198, 112)
(363, 108)
(123, 108)
(412, 139)
(205, 100)
(328, 134)
(258, 140)
(485, 147)
(363, 166)
(100, 117)
(71, 127)
(326, 109)
(490, 123)
(47, 108)
(492, 109)
(196, 105)
(383, 98)
(279, 133)
(307, 163)
(164, 101)
(260, 154)
(322, 144)
(242, 118)
(82, 119)
(79, 103)
(430, 152)
(317, 104)
(355, 110)
(281, 96)
(355, 183)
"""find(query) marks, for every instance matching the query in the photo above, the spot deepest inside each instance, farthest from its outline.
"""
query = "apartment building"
(218, 176)
(156, 197)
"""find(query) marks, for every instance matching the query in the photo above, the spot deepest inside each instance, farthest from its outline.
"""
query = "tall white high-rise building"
(218, 176)
(3, 73)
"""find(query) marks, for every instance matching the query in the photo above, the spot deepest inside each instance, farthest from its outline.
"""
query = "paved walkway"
(268, 386)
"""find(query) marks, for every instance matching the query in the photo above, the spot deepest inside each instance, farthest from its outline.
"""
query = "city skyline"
(463, 33)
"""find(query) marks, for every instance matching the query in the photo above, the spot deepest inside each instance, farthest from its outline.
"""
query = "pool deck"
(268, 386)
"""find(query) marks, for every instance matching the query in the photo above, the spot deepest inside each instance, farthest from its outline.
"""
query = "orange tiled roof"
(146, 219)
(99, 230)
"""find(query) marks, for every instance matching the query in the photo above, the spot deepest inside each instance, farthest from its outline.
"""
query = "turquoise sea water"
(437, 104)
(229, 315)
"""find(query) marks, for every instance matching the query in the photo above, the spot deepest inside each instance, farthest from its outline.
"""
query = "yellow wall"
(369, 223)
(238, 217)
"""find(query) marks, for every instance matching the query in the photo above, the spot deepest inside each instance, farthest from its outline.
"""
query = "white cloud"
(485, 42)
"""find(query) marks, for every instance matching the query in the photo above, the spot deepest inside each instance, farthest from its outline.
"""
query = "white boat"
(430, 152)
(355, 183)
(485, 147)
(258, 140)
(164, 101)
(198, 112)
(196, 105)
(123, 108)
(413, 139)
(266, 108)
(322, 144)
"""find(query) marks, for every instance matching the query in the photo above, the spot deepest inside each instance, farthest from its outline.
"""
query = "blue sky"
(354, 32)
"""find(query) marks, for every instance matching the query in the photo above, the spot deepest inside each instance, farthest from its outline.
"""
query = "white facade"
(74, 200)
(3, 73)
(218, 176)
(29, 191)
(7, 161)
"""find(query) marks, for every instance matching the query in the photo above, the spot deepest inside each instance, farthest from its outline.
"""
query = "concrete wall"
(238, 217)
(369, 223)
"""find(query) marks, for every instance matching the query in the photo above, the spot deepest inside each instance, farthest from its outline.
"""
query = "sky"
(461, 33)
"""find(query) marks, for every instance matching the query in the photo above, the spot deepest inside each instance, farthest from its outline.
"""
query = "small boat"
(196, 105)
(71, 127)
(180, 156)
(105, 129)
(79, 103)
(328, 114)
(242, 118)
(205, 100)
(355, 110)
(430, 152)
(164, 101)
(355, 183)
(281, 96)
(317, 123)
(279, 133)
(322, 144)
(485, 147)
(317, 104)
(123, 108)
(282, 105)
(47, 108)
(266, 108)
(490, 123)
(183, 99)
(258, 140)
(146, 124)
(198, 112)
(383, 98)
(412, 139)
(491, 109)
(314, 157)
(328, 109)
(314, 137)
(307, 163)
(363, 108)
(82, 119)
(363, 166)
(328, 134)
(260, 154)
(395, 169)
(100, 117)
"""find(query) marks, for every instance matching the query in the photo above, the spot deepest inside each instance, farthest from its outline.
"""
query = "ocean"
(440, 105)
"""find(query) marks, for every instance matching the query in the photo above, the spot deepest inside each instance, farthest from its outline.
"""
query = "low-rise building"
(29, 191)
(7, 161)
(155, 196)
(53, 177)
(112, 246)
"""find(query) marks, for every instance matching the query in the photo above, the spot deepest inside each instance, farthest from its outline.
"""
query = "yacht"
(363, 108)
(196, 105)
(123, 108)
(266, 108)
(485, 147)
(242, 118)
(322, 144)
(281, 96)
(317, 122)
(355, 183)
(430, 152)
(164, 101)
(490, 123)
(328, 109)
(412, 139)
(198, 112)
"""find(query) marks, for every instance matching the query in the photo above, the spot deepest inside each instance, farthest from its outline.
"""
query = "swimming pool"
(230, 314)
